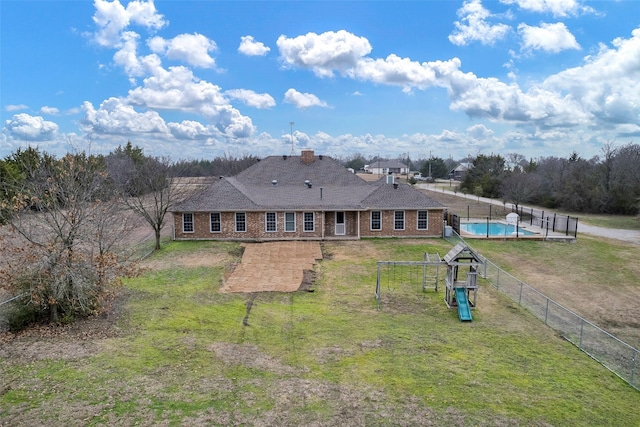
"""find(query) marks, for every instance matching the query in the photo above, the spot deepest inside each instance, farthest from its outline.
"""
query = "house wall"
(351, 224)
(256, 228)
(435, 224)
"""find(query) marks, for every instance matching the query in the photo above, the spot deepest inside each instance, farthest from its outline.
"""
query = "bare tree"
(64, 261)
(519, 187)
(149, 190)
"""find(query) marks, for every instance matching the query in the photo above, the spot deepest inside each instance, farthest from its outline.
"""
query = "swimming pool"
(495, 229)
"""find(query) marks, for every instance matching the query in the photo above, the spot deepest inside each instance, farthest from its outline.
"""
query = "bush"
(21, 315)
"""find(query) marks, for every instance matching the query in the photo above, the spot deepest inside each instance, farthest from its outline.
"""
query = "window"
(241, 222)
(309, 221)
(271, 224)
(376, 220)
(187, 222)
(216, 222)
(289, 221)
(398, 223)
(423, 220)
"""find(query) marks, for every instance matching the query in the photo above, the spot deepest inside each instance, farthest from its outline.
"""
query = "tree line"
(608, 183)
(605, 184)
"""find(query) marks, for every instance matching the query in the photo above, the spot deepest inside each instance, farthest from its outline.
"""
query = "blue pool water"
(495, 229)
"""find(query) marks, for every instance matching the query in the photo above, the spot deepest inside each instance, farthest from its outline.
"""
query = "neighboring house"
(387, 167)
(305, 197)
(460, 171)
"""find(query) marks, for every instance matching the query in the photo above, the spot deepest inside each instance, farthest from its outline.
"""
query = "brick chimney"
(307, 156)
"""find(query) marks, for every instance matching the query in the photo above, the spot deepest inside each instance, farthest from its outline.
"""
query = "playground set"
(461, 280)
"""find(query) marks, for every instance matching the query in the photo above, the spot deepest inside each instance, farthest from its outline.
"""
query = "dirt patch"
(212, 256)
(274, 267)
(251, 357)
(80, 339)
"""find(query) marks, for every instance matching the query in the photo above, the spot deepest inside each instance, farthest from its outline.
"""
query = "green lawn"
(184, 356)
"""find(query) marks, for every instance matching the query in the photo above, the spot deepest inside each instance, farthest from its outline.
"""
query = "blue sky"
(199, 79)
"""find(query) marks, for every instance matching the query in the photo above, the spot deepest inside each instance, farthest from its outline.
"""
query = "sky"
(200, 79)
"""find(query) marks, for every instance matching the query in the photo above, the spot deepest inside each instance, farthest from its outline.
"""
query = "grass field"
(174, 351)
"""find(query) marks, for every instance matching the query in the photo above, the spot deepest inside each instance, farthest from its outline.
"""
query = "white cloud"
(52, 111)
(127, 55)
(403, 72)
(13, 107)
(250, 47)
(559, 8)
(114, 117)
(30, 128)
(303, 100)
(480, 131)
(324, 53)
(111, 18)
(176, 89)
(189, 129)
(191, 48)
(608, 84)
(552, 38)
(473, 26)
(251, 98)
(492, 99)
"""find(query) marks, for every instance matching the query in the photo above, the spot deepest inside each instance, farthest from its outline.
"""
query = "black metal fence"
(549, 221)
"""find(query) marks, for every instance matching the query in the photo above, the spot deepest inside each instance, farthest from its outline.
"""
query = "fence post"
(487, 227)
(531, 219)
(633, 366)
(554, 222)
(575, 232)
(546, 312)
(520, 296)
(378, 288)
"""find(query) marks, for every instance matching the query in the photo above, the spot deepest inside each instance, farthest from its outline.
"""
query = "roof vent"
(395, 185)
(320, 156)
(274, 182)
(307, 183)
(284, 157)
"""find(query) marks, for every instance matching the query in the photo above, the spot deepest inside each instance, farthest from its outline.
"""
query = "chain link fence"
(613, 353)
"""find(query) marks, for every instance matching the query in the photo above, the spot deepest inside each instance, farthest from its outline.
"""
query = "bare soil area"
(273, 267)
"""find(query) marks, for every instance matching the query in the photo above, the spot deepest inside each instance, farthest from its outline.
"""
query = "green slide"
(464, 310)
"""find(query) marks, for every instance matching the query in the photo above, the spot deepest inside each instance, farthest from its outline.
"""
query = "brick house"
(305, 197)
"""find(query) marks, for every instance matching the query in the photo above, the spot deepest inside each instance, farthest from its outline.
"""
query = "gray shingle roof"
(333, 187)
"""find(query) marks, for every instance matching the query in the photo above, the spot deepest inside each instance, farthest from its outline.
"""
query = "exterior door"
(340, 228)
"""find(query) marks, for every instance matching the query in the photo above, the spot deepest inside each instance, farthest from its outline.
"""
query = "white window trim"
(211, 222)
(304, 222)
(266, 222)
(418, 220)
(193, 222)
(294, 222)
(235, 217)
(371, 221)
(404, 220)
